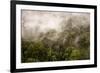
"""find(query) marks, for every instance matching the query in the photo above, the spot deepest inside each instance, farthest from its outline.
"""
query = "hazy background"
(37, 23)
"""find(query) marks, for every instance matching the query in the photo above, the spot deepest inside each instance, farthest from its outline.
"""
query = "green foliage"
(72, 53)
(75, 55)
(36, 52)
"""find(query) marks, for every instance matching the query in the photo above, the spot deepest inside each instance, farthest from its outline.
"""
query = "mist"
(37, 24)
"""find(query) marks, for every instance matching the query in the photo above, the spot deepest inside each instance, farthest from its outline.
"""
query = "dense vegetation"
(73, 43)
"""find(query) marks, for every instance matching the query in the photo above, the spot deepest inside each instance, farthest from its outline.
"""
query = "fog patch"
(36, 25)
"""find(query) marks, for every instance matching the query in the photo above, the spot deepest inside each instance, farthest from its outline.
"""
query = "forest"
(71, 43)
